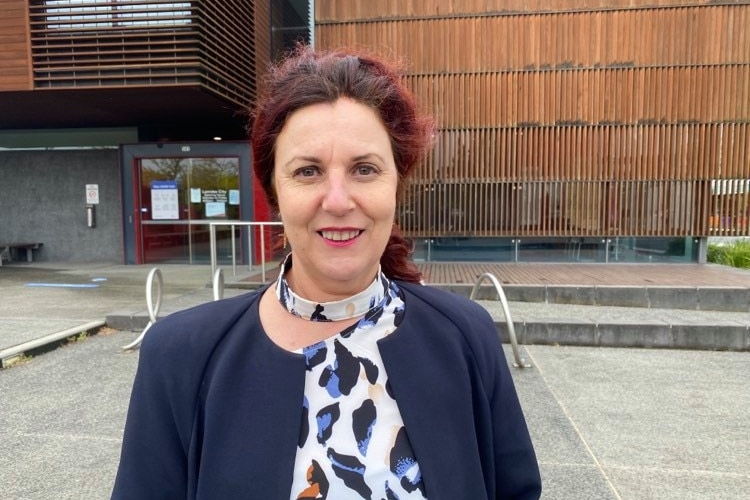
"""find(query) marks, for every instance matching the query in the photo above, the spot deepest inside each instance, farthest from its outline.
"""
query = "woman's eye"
(306, 172)
(366, 170)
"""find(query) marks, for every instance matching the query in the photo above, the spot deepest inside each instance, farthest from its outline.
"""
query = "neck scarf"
(348, 308)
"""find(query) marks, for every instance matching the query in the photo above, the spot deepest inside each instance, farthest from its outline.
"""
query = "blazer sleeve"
(464, 333)
(516, 466)
(153, 460)
(162, 438)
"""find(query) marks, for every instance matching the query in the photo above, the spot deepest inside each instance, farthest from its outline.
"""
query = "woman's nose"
(337, 198)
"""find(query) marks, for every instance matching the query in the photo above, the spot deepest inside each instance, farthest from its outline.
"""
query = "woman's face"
(335, 181)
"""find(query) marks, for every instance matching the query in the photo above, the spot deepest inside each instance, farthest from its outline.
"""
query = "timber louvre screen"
(570, 118)
(129, 43)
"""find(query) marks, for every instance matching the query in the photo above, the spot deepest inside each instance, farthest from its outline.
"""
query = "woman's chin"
(348, 278)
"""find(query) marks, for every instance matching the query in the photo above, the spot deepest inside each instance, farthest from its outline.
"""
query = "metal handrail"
(212, 234)
(218, 284)
(153, 309)
(520, 362)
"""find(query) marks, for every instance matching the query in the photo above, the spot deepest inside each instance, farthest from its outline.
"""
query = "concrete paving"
(607, 423)
(631, 424)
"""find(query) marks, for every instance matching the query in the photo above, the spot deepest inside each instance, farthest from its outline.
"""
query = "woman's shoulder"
(450, 322)
(449, 314)
(194, 331)
(452, 305)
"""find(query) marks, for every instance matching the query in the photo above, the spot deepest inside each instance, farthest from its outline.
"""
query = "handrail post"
(249, 248)
(212, 238)
(262, 253)
(251, 226)
(520, 362)
(234, 257)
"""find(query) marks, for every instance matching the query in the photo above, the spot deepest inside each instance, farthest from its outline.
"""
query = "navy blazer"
(216, 407)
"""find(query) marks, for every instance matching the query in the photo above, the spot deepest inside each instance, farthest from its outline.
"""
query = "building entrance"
(178, 198)
(176, 193)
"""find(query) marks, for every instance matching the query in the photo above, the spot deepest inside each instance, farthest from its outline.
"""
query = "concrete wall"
(43, 199)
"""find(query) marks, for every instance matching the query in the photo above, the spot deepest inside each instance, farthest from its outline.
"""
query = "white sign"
(92, 194)
(164, 201)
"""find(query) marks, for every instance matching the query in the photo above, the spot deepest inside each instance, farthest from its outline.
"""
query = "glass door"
(178, 197)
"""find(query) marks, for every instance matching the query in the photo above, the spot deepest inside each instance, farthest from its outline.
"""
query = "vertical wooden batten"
(571, 118)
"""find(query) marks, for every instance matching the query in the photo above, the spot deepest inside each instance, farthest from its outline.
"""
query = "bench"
(6, 250)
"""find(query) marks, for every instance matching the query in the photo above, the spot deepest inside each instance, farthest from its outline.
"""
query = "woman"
(346, 378)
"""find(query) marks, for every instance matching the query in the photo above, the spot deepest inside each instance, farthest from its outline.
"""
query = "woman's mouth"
(340, 236)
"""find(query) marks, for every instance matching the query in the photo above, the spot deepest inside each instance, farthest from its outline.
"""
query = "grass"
(17, 360)
(735, 254)
(77, 338)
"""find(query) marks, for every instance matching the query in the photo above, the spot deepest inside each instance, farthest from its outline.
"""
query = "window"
(86, 14)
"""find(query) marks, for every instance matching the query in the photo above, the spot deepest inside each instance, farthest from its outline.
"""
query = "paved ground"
(607, 423)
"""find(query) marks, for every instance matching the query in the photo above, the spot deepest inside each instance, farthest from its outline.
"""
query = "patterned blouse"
(353, 443)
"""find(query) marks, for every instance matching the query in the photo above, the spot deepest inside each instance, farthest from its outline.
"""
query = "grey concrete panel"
(128, 320)
(486, 291)
(636, 334)
(518, 327)
(68, 466)
(62, 417)
(38, 205)
(673, 297)
(655, 409)
(625, 296)
(724, 299)
(731, 336)
(574, 482)
(525, 293)
(659, 484)
(571, 294)
(568, 470)
(567, 332)
(553, 434)
(465, 290)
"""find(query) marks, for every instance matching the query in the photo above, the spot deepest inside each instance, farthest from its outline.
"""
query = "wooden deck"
(675, 275)
(588, 274)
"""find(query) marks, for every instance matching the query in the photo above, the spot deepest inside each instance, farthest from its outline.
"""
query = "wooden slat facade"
(570, 117)
(151, 43)
(14, 46)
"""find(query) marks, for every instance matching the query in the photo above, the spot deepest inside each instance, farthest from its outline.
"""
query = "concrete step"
(568, 324)
(692, 298)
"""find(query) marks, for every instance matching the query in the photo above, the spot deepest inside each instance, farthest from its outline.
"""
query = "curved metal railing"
(218, 284)
(520, 362)
(153, 309)
(155, 276)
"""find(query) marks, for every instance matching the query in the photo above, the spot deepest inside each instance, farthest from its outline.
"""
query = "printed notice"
(215, 195)
(195, 195)
(216, 209)
(164, 200)
(234, 196)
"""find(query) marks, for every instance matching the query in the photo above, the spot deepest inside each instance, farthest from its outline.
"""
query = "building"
(123, 123)
(587, 130)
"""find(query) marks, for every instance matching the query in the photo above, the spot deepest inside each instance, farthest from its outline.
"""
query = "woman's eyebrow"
(367, 156)
(315, 159)
(312, 159)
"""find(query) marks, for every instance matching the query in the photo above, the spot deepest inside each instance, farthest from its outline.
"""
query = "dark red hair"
(307, 77)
